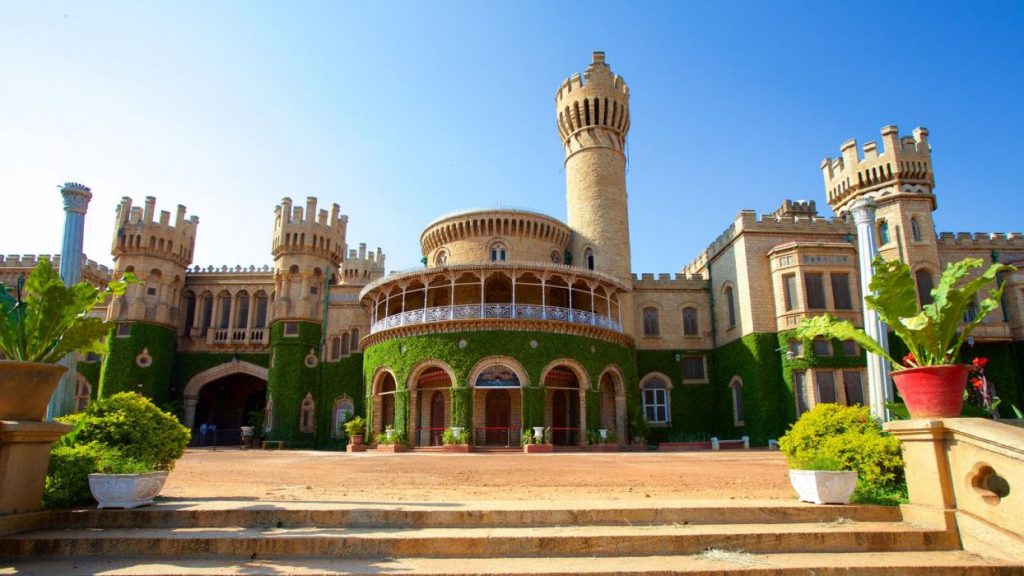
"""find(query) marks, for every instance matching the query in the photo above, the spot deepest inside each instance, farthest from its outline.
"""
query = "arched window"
(588, 256)
(190, 314)
(883, 232)
(556, 257)
(225, 311)
(345, 344)
(498, 252)
(690, 321)
(82, 392)
(355, 340)
(343, 411)
(261, 309)
(924, 286)
(737, 401)
(655, 401)
(306, 420)
(730, 303)
(335, 348)
(242, 312)
(650, 321)
(268, 413)
(441, 259)
(915, 229)
(971, 312)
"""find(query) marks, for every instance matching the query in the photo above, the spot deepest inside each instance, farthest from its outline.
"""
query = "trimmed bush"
(67, 479)
(135, 427)
(850, 439)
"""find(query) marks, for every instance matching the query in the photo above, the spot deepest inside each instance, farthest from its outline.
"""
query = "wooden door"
(499, 416)
(436, 418)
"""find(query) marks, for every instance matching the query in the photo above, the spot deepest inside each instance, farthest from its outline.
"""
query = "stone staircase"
(696, 538)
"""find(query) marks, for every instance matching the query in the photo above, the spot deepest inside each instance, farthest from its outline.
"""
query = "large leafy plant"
(42, 320)
(932, 332)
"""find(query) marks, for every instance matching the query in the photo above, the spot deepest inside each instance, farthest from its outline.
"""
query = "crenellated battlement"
(236, 269)
(903, 161)
(138, 232)
(682, 281)
(91, 270)
(748, 221)
(597, 99)
(980, 240)
(299, 231)
(362, 267)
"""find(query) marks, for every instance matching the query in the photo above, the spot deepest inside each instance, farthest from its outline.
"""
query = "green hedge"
(342, 377)
(693, 407)
(768, 401)
(401, 355)
(91, 372)
(120, 373)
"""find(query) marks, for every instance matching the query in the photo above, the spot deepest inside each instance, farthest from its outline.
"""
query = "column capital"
(863, 210)
(76, 197)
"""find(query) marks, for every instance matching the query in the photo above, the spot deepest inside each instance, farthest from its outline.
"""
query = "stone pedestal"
(24, 456)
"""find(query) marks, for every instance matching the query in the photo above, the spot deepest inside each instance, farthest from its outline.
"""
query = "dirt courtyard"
(230, 473)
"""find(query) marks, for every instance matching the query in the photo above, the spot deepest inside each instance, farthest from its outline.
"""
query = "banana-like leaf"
(828, 326)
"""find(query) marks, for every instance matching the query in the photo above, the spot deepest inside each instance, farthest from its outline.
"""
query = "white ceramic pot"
(538, 433)
(126, 490)
(823, 487)
(604, 433)
(457, 431)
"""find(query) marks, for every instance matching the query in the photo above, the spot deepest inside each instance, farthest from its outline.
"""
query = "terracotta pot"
(356, 439)
(933, 391)
(26, 388)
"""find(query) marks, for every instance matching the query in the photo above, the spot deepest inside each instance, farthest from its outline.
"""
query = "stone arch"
(421, 410)
(661, 378)
(485, 363)
(736, 391)
(377, 406)
(196, 383)
(421, 367)
(575, 366)
(378, 375)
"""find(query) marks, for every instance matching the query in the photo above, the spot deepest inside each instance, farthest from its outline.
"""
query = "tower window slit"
(597, 110)
(586, 110)
(605, 119)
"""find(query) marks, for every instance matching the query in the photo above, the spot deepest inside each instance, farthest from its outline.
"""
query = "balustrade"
(491, 310)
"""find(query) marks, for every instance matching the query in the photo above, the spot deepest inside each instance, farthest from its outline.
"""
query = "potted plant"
(456, 440)
(821, 479)
(356, 430)
(929, 378)
(391, 440)
(41, 322)
(125, 483)
(534, 444)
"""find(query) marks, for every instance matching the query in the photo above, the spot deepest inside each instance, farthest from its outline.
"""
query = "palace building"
(519, 320)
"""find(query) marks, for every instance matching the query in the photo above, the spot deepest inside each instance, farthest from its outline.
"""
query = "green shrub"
(356, 426)
(67, 479)
(449, 437)
(846, 438)
(134, 426)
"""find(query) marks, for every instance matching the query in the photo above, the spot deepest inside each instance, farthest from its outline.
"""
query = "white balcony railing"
(509, 311)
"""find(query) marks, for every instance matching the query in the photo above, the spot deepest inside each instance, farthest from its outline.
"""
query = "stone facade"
(685, 352)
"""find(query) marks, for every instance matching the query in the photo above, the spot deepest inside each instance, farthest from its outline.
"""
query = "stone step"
(294, 515)
(710, 563)
(482, 542)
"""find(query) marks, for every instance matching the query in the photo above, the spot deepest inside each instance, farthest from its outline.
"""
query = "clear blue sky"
(401, 112)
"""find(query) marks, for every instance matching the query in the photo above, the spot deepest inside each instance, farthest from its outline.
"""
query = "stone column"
(879, 388)
(76, 203)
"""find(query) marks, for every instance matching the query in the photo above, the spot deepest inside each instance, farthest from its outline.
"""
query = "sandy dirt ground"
(230, 473)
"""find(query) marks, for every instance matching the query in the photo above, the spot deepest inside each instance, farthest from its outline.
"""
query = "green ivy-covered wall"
(290, 379)
(401, 355)
(693, 408)
(767, 398)
(91, 372)
(121, 373)
(340, 378)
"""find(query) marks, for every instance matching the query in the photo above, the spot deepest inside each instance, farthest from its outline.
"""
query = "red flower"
(978, 383)
(980, 363)
(909, 360)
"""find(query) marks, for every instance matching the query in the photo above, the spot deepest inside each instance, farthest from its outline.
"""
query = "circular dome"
(494, 235)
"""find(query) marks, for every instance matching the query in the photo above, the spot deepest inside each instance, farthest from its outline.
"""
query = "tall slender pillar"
(76, 203)
(879, 388)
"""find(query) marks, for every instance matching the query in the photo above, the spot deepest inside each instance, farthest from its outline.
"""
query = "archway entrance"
(613, 404)
(497, 401)
(563, 406)
(431, 390)
(436, 418)
(226, 404)
(385, 403)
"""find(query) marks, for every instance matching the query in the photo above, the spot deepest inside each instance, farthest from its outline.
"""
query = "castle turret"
(593, 120)
(308, 248)
(901, 181)
(362, 267)
(141, 351)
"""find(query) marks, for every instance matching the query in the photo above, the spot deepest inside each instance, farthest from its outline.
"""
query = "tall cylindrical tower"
(593, 120)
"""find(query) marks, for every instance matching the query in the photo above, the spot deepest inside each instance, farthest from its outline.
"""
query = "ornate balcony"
(506, 310)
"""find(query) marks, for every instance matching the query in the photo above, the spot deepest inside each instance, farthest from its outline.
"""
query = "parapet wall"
(91, 270)
(980, 239)
(137, 232)
(648, 281)
(304, 232)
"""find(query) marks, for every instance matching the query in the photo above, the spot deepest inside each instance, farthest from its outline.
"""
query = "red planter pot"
(933, 391)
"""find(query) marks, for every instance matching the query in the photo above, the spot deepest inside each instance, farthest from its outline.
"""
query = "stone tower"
(593, 119)
(900, 180)
(141, 350)
(308, 249)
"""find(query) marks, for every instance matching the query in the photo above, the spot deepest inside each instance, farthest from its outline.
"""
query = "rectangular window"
(853, 387)
(693, 369)
(261, 311)
(800, 391)
(796, 348)
(850, 349)
(841, 291)
(151, 291)
(789, 291)
(655, 405)
(124, 330)
(822, 347)
(826, 381)
(291, 329)
(814, 288)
